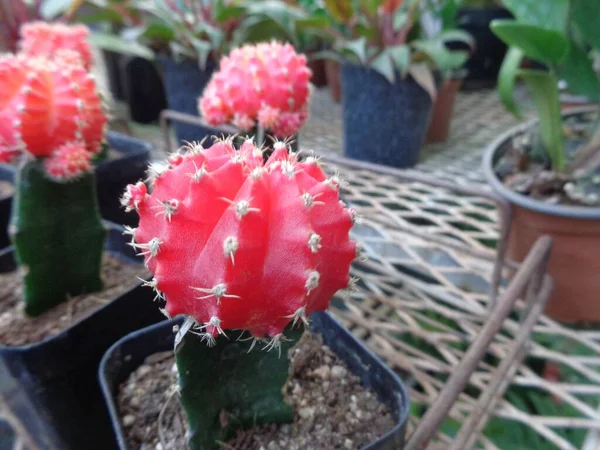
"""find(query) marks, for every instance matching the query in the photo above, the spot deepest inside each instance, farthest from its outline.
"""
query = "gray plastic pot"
(384, 123)
(575, 230)
(130, 352)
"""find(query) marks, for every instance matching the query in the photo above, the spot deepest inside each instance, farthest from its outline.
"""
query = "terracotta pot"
(332, 70)
(575, 231)
(441, 116)
(318, 72)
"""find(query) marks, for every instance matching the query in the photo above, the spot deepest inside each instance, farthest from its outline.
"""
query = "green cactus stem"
(58, 237)
(231, 385)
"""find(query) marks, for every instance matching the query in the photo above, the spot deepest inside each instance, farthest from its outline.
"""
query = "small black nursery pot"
(125, 164)
(58, 376)
(184, 84)
(129, 353)
(7, 174)
(384, 123)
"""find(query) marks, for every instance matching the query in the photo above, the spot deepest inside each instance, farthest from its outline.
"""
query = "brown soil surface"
(16, 328)
(333, 411)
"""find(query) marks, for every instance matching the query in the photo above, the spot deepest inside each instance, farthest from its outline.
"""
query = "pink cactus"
(68, 162)
(46, 104)
(46, 39)
(266, 83)
(237, 244)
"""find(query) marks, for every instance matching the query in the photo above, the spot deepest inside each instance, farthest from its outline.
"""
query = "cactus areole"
(51, 115)
(237, 244)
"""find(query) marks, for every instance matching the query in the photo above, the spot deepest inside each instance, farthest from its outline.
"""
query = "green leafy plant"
(192, 29)
(562, 36)
(386, 36)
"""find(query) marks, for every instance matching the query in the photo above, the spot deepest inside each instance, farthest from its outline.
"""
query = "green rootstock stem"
(58, 237)
(227, 387)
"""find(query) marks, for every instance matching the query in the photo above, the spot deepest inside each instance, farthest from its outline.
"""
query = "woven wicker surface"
(420, 305)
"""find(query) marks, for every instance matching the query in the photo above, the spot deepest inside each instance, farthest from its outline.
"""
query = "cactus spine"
(238, 244)
(51, 114)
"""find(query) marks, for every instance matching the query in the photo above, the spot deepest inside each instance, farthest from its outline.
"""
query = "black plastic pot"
(112, 176)
(115, 70)
(384, 123)
(145, 91)
(130, 352)
(486, 59)
(59, 375)
(184, 83)
(7, 173)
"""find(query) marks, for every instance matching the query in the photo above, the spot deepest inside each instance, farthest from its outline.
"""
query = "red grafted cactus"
(47, 39)
(267, 83)
(237, 244)
(46, 104)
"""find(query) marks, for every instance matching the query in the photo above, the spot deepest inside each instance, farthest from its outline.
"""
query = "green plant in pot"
(263, 90)
(191, 37)
(387, 75)
(441, 18)
(245, 251)
(550, 170)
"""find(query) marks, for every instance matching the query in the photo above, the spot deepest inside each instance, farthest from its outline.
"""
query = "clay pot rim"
(574, 212)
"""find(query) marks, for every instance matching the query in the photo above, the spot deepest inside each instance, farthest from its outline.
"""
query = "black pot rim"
(573, 212)
(110, 227)
(114, 413)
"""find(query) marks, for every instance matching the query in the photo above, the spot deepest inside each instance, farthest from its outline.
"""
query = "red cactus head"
(46, 39)
(45, 104)
(259, 83)
(238, 244)
(68, 162)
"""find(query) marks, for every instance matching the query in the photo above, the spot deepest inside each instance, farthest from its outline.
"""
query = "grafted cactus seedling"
(51, 115)
(244, 250)
(264, 85)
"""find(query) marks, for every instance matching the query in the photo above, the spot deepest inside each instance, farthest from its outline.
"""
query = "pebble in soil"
(16, 328)
(332, 409)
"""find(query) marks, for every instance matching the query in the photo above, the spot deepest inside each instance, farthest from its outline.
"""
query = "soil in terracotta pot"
(524, 168)
(6, 189)
(333, 411)
(16, 328)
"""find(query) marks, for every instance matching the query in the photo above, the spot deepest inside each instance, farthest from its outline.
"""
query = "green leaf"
(507, 78)
(116, 44)
(223, 12)
(383, 64)
(319, 22)
(544, 45)
(443, 58)
(549, 14)
(327, 54)
(158, 31)
(584, 14)
(340, 10)
(544, 90)
(357, 47)
(421, 73)
(400, 55)
(370, 6)
(400, 18)
(577, 70)
(50, 9)
(229, 387)
(457, 36)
